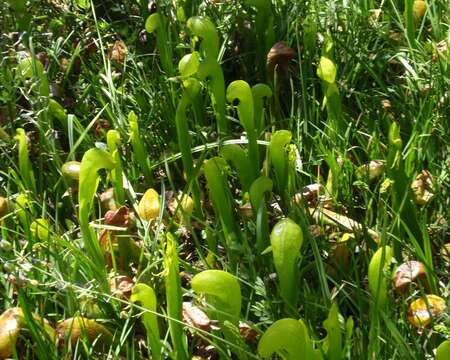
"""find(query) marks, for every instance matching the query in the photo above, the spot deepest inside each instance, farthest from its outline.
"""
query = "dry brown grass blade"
(332, 218)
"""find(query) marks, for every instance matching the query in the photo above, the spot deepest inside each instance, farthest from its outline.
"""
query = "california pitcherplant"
(93, 161)
(286, 241)
(154, 211)
(209, 68)
(157, 22)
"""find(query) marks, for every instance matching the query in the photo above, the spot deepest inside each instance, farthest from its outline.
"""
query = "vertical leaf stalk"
(174, 298)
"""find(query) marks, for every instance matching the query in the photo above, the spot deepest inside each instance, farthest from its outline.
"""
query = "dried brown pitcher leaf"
(195, 317)
(248, 333)
(279, 56)
(423, 187)
(120, 285)
(76, 328)
(407, 273)
(119, 217)
(118, 52)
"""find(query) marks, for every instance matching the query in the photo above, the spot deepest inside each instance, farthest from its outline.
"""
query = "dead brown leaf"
(193, 316)
(279, 56)
(118, 52)
(408, 273)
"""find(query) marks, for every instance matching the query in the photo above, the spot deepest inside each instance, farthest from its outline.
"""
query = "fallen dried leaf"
(193, 316)
(248, 333)
(310, 193)
(407, 273)
(330, 217)
(340, 252)
(4, 206)
(12, 322)
(77, 328)
(118, 52)
(119, 217)
(120, 285)
(423, 187)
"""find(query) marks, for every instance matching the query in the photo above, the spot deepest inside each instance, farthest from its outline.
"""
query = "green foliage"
(260, 92)
(326, 70)
(377, 278)
(215, 170)
(203, 28)
(189, 64)
(222, 291)
(334, 336)
(237, 156)
(145, 295)
(443, 350)
(158, 23)
(113, 139)
(286, 240)
(358, 83)
(191, 89)
(410, 21)
(264, 26)
(240, 90)
(259, 188)
(279, 159)
(30, 67)
(288, 337)
(93, 161)
(209, 68)
(174, 298)
(139, 149)
(25, 169)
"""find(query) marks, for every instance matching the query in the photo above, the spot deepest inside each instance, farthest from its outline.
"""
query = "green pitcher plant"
(174, 298)
(377, 279)
(260, 92)
(26, 171)
(113, 141)
(215, 171)
(93, 160)
(288, 338)
(145, 295)
(265, 34)
(222, 291)
(209, 68)
(157, 23)
(286, 241)
(139, 150)
(191, 89)
(239, 159)
(240, 90)
(279, 159)
(259, 188)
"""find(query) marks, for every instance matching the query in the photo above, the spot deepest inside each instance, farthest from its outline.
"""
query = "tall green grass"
(244, 140)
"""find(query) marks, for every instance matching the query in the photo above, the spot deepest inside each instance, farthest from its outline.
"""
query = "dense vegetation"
(224, 179)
